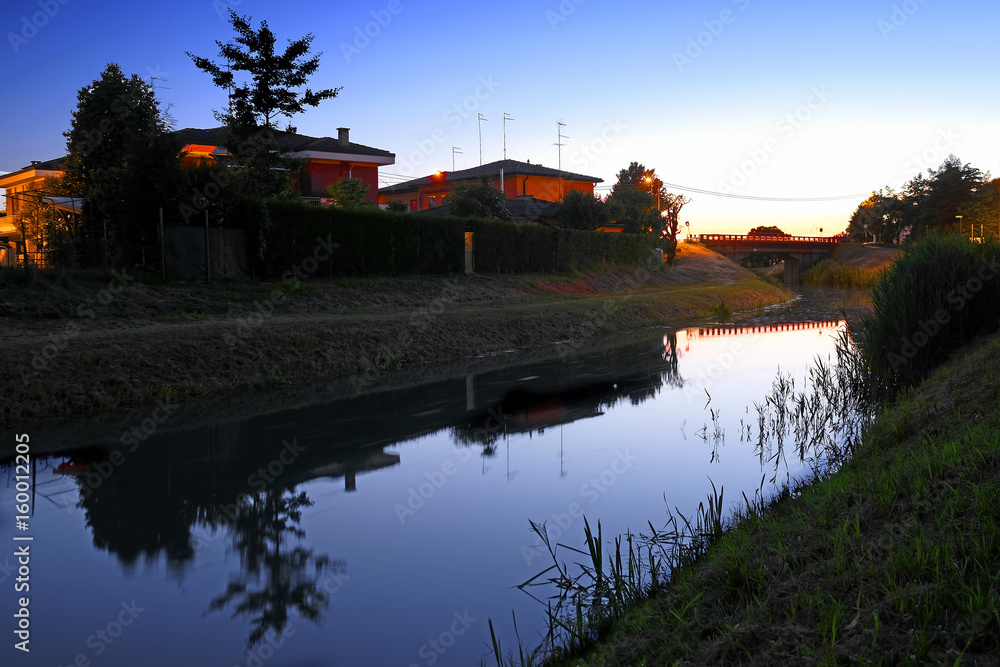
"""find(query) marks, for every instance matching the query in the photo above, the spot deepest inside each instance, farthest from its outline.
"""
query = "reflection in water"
(526, 411)
(172, 497)
(274, 577)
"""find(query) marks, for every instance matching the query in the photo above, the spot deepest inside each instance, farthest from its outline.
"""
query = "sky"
(777, 100)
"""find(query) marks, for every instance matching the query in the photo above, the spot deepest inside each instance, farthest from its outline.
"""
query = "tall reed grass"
(939, 294)
(831, 273)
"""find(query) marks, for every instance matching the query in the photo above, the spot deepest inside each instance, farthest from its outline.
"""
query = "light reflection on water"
(386, 529)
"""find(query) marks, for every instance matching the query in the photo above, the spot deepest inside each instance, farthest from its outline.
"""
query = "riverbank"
(893, 559)
(851, 266)
(77, 346)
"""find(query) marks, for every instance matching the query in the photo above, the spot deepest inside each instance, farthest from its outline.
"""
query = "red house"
(325, 160)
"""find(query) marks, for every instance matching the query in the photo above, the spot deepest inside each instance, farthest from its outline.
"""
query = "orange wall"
(545, 188)
(324, 173)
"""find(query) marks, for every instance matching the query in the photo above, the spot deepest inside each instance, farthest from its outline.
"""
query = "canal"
(385, 528)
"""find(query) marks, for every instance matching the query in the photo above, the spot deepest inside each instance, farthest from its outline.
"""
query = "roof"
(289, 141)
(510, 168)
(55, 164)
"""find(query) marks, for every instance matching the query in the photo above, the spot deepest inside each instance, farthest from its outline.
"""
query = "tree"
(272, 90)
(349, 193)
(672, 205)
(579, 210)
(397, 206)
(770, 230)
(981, 214)
(122, 161)
(632, 202)
(478, 200)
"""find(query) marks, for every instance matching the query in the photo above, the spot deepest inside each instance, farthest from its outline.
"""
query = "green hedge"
(505, 247)
(370, 241)
(282, 235)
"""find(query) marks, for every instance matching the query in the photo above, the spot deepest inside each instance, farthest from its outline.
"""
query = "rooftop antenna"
(455, 149)
(506, 117)
(559, 127)
(481, 119)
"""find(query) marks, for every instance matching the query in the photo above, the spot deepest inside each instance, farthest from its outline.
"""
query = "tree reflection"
(276, 579)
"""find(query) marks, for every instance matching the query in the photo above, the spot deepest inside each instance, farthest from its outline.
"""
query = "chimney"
(344, 136)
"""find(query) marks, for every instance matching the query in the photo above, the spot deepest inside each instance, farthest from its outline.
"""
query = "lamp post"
(960, 226)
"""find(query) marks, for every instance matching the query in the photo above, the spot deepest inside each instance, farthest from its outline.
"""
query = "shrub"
(940, 294)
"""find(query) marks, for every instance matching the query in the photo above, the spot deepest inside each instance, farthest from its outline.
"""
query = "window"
(431, 202)
(413, 204)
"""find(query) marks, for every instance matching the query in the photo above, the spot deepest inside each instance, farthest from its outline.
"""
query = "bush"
(940, 294)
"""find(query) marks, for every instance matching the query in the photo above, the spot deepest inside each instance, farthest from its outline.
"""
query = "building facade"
(519, 180)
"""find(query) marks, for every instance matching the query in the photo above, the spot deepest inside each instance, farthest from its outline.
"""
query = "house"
(520, 179)
(325, 160)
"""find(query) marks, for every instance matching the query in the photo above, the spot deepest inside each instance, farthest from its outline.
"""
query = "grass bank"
(79, 344)
(893, 559)
(852, 266)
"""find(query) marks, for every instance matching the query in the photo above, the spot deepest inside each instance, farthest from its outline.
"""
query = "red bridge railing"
(840, 238)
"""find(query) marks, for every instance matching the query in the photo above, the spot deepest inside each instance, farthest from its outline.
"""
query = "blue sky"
(769, 99)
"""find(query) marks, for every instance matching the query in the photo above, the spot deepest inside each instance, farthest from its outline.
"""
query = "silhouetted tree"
(478, 200)
(579, 210)
(271, 89)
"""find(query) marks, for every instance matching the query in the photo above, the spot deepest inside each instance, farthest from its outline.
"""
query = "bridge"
(798, 252)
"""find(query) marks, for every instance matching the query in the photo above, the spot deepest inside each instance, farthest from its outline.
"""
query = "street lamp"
(960, 226)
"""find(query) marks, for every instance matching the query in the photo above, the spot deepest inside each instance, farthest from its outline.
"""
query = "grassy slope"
(896, 558)
(128, 348)
(852, 266)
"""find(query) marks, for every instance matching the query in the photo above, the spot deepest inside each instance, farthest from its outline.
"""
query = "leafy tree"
(982, 214)
(579, 210)
(349, 193)
(397, 206)
(123, 162)
(672, 205)
(478, 200)
(272, 89)
(933, 202)
(632, 202)
(769, 230)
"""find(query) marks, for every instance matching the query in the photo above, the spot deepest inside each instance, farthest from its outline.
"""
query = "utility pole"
(506, 117)
(455, 149)
(559, 143)
(481, 119)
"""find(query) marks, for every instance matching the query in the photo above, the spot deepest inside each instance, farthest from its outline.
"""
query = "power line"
(732, 195)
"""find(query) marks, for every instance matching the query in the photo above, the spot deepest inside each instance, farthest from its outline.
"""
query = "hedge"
(283, 235)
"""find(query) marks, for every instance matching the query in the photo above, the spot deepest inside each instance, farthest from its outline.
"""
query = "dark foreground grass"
(894, 559)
